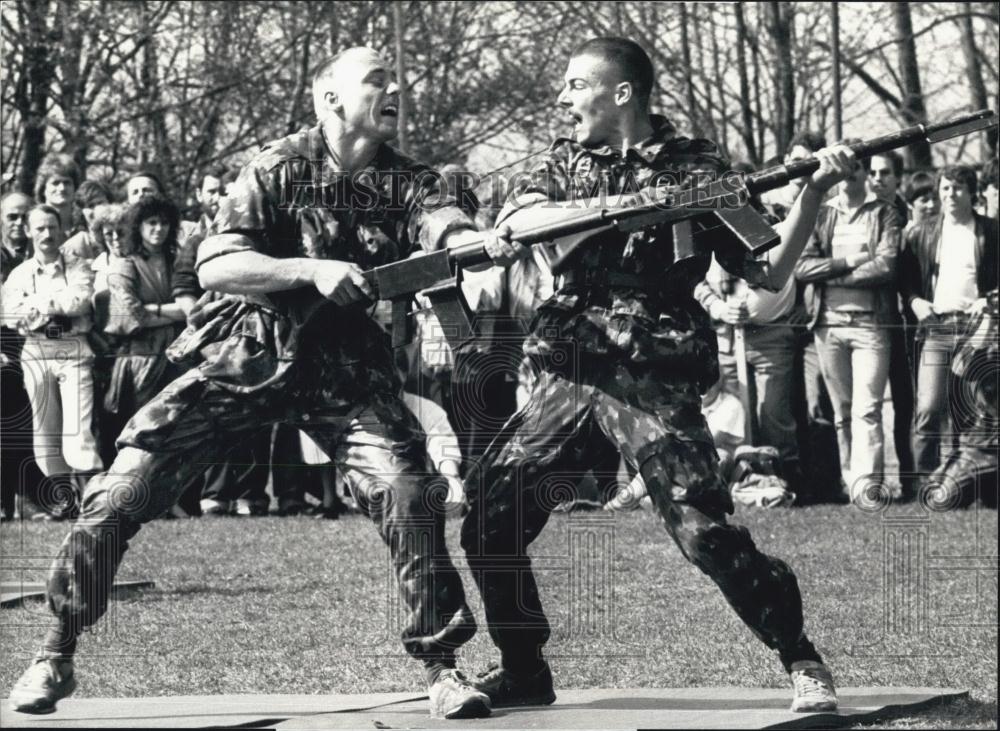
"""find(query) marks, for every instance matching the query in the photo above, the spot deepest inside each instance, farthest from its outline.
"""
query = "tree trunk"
(711, 130)
(756, 88)
(918, 155)
(780, 28)
(977, 88)
(746, 111)
(720, 91)
(693, 116)
(40, 72)
(838, 110)
(402, 121)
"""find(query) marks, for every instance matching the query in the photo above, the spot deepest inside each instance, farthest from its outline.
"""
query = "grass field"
(296, 605)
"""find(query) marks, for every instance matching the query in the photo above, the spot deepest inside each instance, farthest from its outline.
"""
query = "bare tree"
(977, 89)
(912, 107)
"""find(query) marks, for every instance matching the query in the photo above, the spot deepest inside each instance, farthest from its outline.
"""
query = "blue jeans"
(854, 357)
(936, 394)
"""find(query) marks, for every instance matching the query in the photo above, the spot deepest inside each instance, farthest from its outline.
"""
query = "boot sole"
(470, 709)
(814, 708)
(42, 706)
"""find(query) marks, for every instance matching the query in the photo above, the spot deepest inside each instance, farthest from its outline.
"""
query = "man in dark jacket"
(847, 265)
(948, 266)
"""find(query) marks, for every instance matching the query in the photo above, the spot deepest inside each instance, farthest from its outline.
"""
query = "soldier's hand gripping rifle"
(714, 212)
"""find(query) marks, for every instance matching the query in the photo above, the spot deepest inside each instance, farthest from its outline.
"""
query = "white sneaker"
(814, 691)
(43, 684)
(210, 506)
(453, 696)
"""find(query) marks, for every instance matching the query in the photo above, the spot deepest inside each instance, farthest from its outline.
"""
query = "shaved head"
(356, 96)
(623, 60)
(339, 68)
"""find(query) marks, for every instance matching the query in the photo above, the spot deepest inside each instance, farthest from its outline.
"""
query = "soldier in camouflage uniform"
(625, 352)
(292, 342)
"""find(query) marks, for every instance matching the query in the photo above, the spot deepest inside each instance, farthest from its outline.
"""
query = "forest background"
(177, 85)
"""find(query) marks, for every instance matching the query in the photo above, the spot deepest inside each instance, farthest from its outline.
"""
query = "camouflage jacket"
(292, 201)
(661, 326)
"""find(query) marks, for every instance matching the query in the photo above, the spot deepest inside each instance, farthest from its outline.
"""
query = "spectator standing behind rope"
(143, 310)
(20, 475)
(211, 190)
(770, 352)
(921, 196)
(56, 183)
(83, 244)
(48, 298)
(885, 173)
(142, 184)
(108, 235)
(849, 260)
(988, 184)
(817, 438)
(948, 266)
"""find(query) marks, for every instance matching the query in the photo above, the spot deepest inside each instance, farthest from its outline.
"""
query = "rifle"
(715, 210)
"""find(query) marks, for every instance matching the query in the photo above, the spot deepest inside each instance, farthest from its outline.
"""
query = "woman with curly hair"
(142, 309)
(106, 242)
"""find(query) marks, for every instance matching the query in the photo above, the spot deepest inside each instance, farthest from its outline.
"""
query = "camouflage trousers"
(379, 448)
(576, 423)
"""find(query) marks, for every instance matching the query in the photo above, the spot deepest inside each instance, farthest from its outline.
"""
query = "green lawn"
(296, 605)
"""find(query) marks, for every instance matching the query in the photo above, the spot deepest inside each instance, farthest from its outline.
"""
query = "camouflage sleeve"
(252, 209)
(427, 211)
(549, 181)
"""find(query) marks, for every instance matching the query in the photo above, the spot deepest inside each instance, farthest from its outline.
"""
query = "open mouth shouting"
(390, 109)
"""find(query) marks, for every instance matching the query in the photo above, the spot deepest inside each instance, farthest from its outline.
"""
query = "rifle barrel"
(779, 175)
(756, 183)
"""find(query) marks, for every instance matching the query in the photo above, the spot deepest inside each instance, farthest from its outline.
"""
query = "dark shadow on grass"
(954, 708)
(256, 723)
(887, 713)
(953, 711)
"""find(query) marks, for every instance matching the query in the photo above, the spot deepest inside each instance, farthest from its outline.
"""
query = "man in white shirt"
(949, 265)
(47, 298)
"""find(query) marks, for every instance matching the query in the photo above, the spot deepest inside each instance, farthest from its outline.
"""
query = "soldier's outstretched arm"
(231, 266)
(836, 164)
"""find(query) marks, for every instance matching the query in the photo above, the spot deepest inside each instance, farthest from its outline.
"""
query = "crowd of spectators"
(895, 294)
